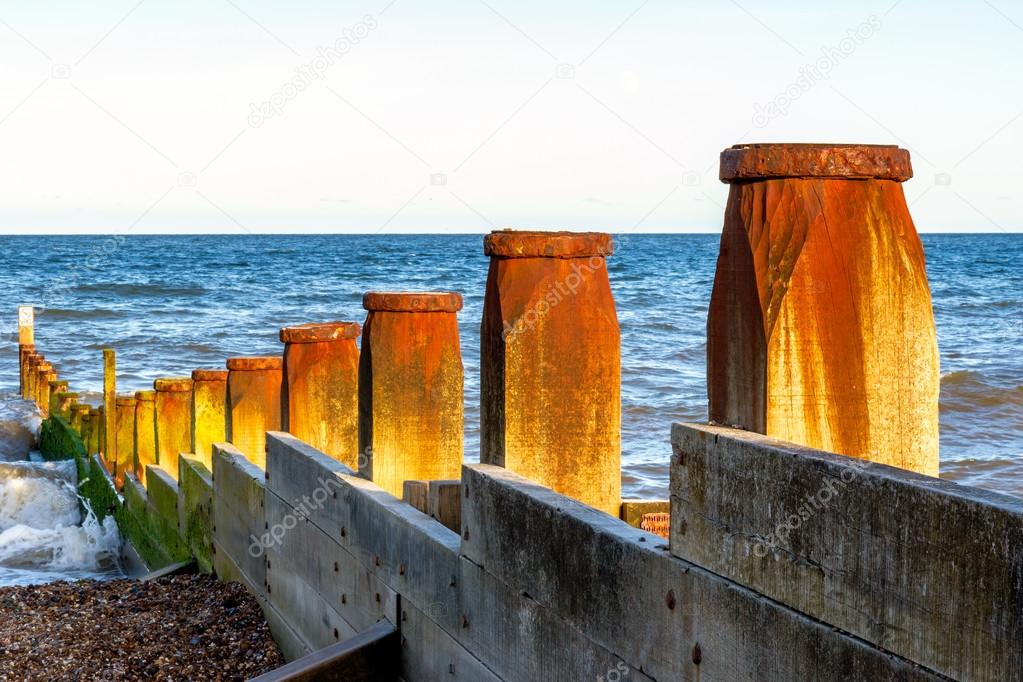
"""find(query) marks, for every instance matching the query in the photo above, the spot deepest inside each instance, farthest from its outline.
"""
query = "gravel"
(188, 627)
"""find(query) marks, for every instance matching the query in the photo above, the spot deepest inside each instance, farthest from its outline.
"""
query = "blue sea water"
(169, 304)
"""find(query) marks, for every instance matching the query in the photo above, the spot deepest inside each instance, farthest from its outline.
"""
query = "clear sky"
(464, 115)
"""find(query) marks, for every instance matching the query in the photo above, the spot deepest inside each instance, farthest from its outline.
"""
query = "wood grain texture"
(550, 375)
(820, 329)
(927, 569)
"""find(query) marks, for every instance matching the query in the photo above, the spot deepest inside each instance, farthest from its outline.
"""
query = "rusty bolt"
(268, 590)
(467, 492)
(266, 475)
(401, 569)
(465, 621)
(669, 599)
(697, 654)
(268, 562)
(681, 459)
(465, 535)
(344, 599)
(683, 526)
(377, 597)
(266, 525)
(452, 583)
(376, 559)
(343, 531)
(335, 567)
(335, 633)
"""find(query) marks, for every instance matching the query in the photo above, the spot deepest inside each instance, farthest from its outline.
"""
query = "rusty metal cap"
(44, 367)
(209, 375)
(125, 399)
(145, 396)
(248, 363)
(172, 384)
(413, 301)
(54, 383)
(792, 160)
(27, 347)
(315, 332)
(536, 244)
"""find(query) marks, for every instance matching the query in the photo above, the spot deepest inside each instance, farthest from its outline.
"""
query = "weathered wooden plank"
(660, 614)
(239, 517)
(430, 653)
(337, 577)
(195, 509)
(519, 639)
(369, 656)
(445, 503)
(928, 569)
(408, 551)
(289, 641)
(632, 511)
(416, 493)
(308, 479)
(316, 622)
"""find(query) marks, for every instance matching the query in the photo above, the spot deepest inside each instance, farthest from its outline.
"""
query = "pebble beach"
(186, 627)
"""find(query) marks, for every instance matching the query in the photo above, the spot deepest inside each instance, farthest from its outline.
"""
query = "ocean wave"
(151, 289)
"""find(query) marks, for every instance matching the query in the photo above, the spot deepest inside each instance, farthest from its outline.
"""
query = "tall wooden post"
(209, 413)
(820, 329)
(173, 406)
(32, 362)
(26, 343)
(550, 376)
(42, 386)
(145, 433)
(125, 405)
(253, 404)
(410, 388)
(95, 430)
(109, 407)
(320, 392)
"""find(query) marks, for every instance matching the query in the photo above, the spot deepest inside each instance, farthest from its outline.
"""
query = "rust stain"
(145, 432)
(410, 388)
(550, 364)
(253, 403)
(820, 329)
(209, 412)
(320, 390)
(173, 408)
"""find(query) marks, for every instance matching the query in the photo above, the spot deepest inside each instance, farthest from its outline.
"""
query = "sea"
(169, 304)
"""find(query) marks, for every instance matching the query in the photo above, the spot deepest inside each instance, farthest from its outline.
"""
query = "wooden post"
(65, 401)
(31, 377)
(145, 432)
(109, 407)
(820, 329)
(26, 342)
(125, 418)
(25, 354)
(56, 387)
(42, 386)
(410, 388)
(253, 404)
(550, 364)
(87, 430)
(78, 410)
(95, 430)
(101, 432)
(173, 406)
(209, 414)
(320, 390)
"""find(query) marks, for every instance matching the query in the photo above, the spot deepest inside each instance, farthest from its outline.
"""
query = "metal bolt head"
(669, 599)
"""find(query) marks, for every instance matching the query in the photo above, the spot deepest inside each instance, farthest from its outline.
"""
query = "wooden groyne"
(377, 554)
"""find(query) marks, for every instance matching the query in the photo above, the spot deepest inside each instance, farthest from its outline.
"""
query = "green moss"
(58, 441)
(196, 509)
(151, 528)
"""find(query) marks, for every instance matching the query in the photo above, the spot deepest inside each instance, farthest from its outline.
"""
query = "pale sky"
(143, 117)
